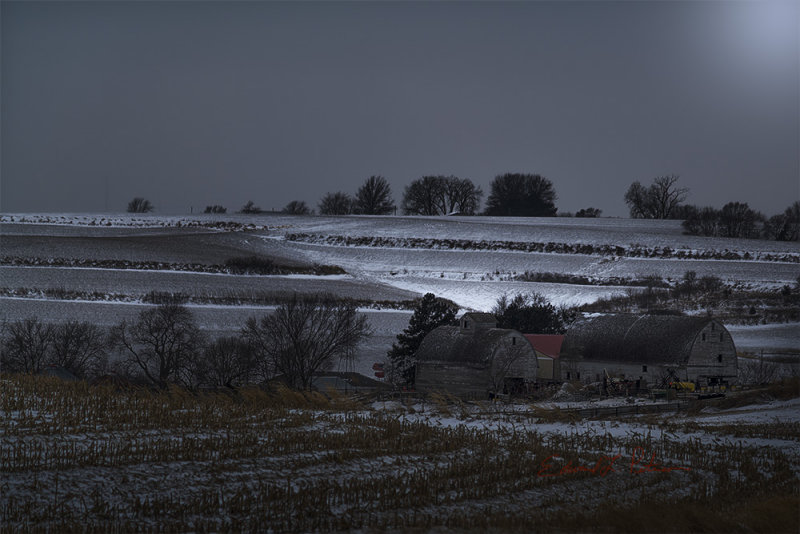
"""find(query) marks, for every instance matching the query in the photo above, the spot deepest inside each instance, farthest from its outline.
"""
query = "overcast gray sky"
(197, 103)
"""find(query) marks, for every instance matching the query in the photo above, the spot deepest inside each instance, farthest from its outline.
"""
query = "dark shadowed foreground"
(112, 458)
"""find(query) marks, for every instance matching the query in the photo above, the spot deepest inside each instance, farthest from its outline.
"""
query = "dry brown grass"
(291, 461)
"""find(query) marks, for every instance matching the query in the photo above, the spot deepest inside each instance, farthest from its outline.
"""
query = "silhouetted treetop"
(659, 201)
(336, 204)
(521, 195)
(441, 195)
(296, 207)
(139, 205)
(374, 197)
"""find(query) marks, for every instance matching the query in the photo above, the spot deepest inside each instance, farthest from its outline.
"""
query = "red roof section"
(549, 344)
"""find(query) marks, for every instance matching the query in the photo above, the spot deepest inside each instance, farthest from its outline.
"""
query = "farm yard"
(102, 459)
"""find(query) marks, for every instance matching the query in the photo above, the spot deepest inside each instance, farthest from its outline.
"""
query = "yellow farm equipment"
(682, 386)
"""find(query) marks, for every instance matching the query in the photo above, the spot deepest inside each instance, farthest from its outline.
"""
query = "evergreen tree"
(429, 313)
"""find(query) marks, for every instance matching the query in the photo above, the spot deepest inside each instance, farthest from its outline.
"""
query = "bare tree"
(521, 195)
(666, 196)
(79, 347)
(336, 204)
(374, 197)
(421, 196)
(227, 361)
(161, 343)
(636, 197)
(26, 346)
(736, 219)
(297, 207)
(531, 313)
(756, 372)
(441, 195)
(250, 208)
(460, 196)
(139, 205)
(659, 201)
(703, 221)
(305, 335)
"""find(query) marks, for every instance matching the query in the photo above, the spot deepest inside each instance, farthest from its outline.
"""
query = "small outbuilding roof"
(548, 344)
(635, 338)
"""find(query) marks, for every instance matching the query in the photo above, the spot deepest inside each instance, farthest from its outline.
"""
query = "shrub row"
(238, 265)
(231, 298)
(634, 251)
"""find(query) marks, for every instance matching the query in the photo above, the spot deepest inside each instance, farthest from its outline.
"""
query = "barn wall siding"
(708, 349)
(461, 380)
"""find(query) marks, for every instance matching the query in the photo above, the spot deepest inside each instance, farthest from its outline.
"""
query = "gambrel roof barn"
(475, 358)
(695, 348)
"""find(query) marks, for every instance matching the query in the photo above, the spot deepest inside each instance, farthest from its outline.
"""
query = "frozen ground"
(176, 461)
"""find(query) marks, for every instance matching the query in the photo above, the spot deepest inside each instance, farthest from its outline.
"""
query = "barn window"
(644, 368)
(704, 336)
(466, 323)
(719, 358)
(720, 336)
(513, 341)
(567, 375)
(578, 375)
(713, 327)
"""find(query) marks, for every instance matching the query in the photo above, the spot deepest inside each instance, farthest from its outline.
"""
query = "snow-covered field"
(474, 279)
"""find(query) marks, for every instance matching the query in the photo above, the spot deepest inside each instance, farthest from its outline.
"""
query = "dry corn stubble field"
(76, 457)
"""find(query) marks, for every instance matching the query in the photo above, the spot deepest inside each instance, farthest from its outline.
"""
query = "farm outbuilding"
(475, 359)
(649, 349)
(548, 350)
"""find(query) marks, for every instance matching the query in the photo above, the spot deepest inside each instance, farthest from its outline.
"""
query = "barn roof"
(634, 338)
(549, 344)
(448, 343)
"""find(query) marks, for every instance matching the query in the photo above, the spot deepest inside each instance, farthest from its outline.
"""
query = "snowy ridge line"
(633, 251)
(130, 222)
(60, 294)
(316, 270)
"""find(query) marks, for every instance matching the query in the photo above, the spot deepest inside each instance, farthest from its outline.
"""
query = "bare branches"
(161, 343)
(374, 197)
(336, 204)
(139, 205)
(659, 201)
(26, 346)
(79, 347)
(306, 335)
(441, 195)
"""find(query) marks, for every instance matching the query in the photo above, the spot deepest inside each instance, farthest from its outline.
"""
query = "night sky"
(197, 103)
